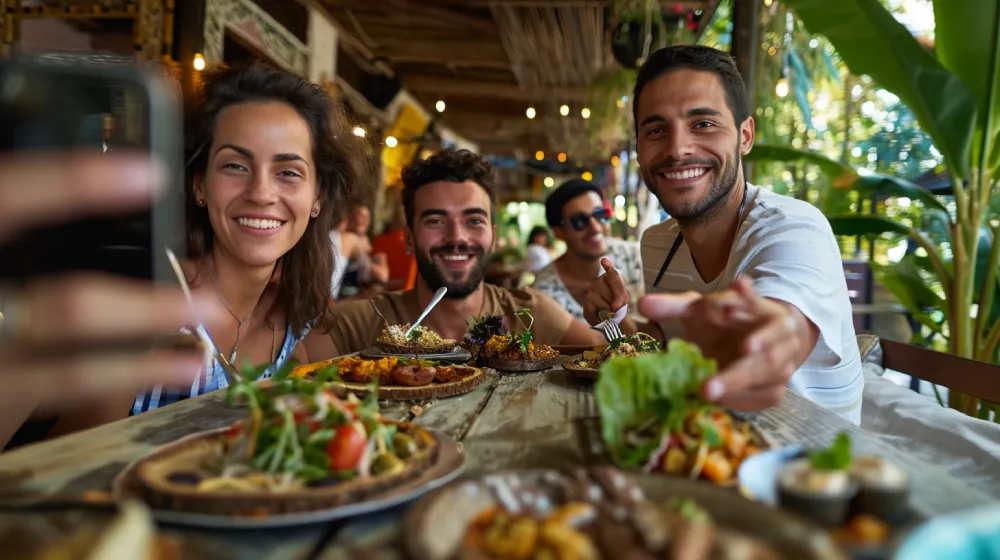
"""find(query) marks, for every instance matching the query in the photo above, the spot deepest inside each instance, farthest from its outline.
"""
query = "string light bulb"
(587, 176)
(564, 110)
(359, 131)
(539, 155)
(199, 62)
(391, 141)
(615, 161)
(781, 88)
(439, 106)
(585, 113)
(530, 112)
(562, 157)
(549, 182)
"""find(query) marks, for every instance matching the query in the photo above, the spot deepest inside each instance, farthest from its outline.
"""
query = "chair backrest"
(978, 379)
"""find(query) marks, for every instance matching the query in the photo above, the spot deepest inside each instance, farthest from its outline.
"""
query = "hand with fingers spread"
(83, 310)
(607, 293)
(758, 342)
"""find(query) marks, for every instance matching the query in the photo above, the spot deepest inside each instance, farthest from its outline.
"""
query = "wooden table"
(530, 420)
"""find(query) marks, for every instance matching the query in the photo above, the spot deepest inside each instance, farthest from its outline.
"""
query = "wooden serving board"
(520, 366)
(404, 393)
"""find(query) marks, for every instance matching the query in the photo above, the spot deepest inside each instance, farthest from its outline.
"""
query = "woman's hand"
(54, 329)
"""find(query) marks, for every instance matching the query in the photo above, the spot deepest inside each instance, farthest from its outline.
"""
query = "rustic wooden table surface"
(542, 419)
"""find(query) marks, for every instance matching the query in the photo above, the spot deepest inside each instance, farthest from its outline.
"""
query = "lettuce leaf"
(658, 389)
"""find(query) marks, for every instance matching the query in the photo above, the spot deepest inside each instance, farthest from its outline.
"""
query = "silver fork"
(608, 326)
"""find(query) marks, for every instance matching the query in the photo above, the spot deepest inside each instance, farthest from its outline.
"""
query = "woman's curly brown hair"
(342, 169)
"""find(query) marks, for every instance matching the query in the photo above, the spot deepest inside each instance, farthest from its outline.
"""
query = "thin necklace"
(239, 322)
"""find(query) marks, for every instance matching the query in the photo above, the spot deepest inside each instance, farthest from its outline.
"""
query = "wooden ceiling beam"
(484, 25)
(453, 86)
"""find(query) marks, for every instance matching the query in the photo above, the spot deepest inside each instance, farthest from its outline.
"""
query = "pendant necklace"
(239, 322)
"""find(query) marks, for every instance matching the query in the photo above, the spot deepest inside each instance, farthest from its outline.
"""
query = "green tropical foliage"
(953, 91)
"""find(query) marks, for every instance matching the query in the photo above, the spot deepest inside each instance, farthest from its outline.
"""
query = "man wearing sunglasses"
(580, 216)
(754, 278)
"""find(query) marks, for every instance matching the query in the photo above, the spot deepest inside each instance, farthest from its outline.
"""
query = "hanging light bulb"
(585, 113)
(615, 161)
(781, 88)
(199, 62)
(587, 176)
(530, 112)
(562, 157)
(549, 182)
(439, 106)
(391, 141)
(564, 110)
(359, 131)
(539, 155)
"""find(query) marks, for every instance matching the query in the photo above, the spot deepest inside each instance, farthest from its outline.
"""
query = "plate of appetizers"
(602, 513)
(862, 499)
(396, 378)
(653, 418)
(421, 340)
(510, 352)
(301, 455)
(588, 364)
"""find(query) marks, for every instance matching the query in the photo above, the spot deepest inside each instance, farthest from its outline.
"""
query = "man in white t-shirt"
(754, 278)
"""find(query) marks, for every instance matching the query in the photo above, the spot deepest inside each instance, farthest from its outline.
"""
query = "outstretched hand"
(758, 342)
(607, 293)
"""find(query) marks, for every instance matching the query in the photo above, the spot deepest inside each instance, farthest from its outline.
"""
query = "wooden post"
(188, 40)
(745, 46)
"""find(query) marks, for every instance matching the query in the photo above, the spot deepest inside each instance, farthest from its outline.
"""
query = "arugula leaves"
(836, 458)
(650, 390)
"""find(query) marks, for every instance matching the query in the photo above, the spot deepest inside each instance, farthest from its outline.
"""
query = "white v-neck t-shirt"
(787, 247)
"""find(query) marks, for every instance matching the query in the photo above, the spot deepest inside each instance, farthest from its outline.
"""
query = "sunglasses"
(581, 221)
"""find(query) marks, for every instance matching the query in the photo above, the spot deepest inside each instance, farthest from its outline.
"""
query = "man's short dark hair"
(453, 166)
(561, 196)
(695, 57)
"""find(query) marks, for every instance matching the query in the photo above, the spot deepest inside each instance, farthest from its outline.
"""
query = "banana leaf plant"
(955, 93)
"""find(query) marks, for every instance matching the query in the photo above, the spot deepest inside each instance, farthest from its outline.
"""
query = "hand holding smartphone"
(86, 148)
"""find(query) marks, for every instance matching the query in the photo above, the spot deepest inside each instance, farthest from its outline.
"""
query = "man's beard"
(436, 278)
(706, 208)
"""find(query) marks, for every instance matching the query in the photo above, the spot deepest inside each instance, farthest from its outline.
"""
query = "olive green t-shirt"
(356, 326)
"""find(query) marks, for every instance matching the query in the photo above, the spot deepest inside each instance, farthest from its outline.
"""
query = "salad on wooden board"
(654, 418)
(300, 447)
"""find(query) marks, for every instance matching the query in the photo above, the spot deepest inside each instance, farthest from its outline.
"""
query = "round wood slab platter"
(404, 393)
(448, 464)
(437, 524)
(571, 367)
(520, 366)
(455, 355)
(406, 350)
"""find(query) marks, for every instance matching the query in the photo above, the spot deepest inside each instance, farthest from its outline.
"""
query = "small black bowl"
(888, 504)
(825, 509)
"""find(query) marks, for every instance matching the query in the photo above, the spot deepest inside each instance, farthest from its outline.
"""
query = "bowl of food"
(588, 364)
(598, 513)
(518, 352)
(653, 417)
(421, 340)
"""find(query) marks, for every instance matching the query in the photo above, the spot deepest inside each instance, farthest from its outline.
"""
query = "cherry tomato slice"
(346, 448)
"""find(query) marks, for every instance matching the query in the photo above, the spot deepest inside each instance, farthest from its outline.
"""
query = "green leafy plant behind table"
(954, 93)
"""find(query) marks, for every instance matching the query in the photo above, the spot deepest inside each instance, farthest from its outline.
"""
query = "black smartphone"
(83, 102)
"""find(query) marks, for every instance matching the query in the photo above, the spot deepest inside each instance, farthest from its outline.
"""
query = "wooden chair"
(971, 377)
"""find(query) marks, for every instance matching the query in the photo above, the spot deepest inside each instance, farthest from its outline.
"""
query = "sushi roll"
(823, 495)
(885, 488)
